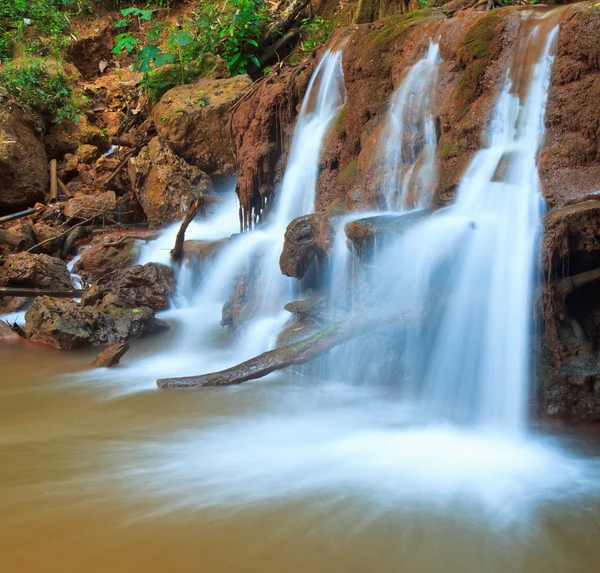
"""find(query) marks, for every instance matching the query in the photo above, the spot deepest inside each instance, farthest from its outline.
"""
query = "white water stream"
(410, 143)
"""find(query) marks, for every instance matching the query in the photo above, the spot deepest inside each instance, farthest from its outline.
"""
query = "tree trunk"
(177, 251)
(295, 353)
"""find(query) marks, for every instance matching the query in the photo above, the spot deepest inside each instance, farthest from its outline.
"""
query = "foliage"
(230, 29)
(314, 32)
(38, 25)
(42, 86)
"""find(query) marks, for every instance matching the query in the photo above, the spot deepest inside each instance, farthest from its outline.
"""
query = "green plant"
(230, 29)
(44, 87)
(124, 41)
(314, 32)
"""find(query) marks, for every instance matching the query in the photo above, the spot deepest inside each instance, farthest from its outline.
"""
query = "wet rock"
(106, 253)
(307, 239)
(63, 323)
(149, 285)
(7, 334)
(35, 271)
(87, 206)
(23, 162)
(193, 119)
(570, 161)
(364, 233)
(164, 183)
(87, 153)
(569, 380)
(111, 356)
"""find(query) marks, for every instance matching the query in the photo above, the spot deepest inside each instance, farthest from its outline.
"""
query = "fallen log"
(177, 251)
(64, 189)
(111, 356)
(295, 353)
(284, 23)
(33, 292)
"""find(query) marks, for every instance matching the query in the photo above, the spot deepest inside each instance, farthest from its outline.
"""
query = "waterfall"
(468, 271)
(410, 142)
(256, 253)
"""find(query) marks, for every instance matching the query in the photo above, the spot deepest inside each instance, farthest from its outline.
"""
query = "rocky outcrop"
(23, 163)
(164, 183)
(570, 304)
(148, 285)
(262, 127)
(7, 334)
(570, 161)
(63, 323)
(307, 239)
(193, 119)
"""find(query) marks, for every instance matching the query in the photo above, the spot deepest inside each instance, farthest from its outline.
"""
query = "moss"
(349, 175)
(340, 122)
(449, 150)
(482, 40)
(395, 26)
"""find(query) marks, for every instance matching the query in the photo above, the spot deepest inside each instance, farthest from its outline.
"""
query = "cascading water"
(409, 164)
(468, 271)
(257, 251)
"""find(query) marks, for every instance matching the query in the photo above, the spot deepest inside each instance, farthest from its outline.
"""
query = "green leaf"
(127, 11)
(145, 14)
(163, 59)
(234, 59)
(252, 42)
(255, 61)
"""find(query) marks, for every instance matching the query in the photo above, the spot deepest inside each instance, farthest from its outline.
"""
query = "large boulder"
(165, 184)
(23, 162)
(193, 118)
(63, 323)
(106, 253)
(35, 271)
(148, 285)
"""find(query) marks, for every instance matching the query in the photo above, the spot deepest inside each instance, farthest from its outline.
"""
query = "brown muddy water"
(101, 472)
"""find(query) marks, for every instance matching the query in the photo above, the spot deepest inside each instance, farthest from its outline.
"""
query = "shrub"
(43, 86)
(314, 32)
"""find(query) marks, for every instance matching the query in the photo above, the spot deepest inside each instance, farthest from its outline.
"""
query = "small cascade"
(410, 142)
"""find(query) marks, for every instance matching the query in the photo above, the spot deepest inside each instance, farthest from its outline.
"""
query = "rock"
(71, 163)
(569, 165)
(106, 253)
(35, 271)
(23, 161)
(63, 323)
(164, 183)
(193, 118)
(87, 153)
(45, 233)
(87, 206)
(150, 285)
(111, 355)
(363, 233)
(7, 334)
(66, 137)
(24, 230)
(307, 238)
(261, 126)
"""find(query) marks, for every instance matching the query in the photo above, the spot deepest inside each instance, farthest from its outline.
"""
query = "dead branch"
(177, 251)
(32, 292)
(295, 353)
